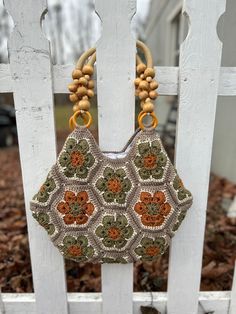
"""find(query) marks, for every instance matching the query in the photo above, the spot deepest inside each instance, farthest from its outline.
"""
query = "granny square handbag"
(112, 207)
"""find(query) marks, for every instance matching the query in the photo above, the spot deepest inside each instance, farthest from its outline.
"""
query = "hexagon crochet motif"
(112, 208)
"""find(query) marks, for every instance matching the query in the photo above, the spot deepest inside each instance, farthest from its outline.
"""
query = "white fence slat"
(200, 58)
(227, 83)
(91, 303)
(115, 77)
(5, 78)
(233, 294)
(32, 86)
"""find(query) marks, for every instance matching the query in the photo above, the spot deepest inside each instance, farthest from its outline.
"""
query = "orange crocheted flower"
(152, 250)
(150, 161)
(114, 185)
(75, 208)
(114, 233)
(76, 158)
(74, 250)
(152, 208)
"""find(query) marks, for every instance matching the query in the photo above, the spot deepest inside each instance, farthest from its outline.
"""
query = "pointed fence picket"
(116, 53)
(30, 69)
(33, 79)
(199, 69)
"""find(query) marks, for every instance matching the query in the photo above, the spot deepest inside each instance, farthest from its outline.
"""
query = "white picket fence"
(198, 80)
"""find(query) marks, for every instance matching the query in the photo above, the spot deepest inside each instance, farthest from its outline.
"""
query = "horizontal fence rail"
(166, 76)
(91, 303)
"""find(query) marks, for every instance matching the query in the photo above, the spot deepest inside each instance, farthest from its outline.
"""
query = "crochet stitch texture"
(112, 210)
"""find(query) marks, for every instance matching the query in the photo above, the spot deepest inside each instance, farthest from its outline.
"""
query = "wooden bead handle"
(82, 87)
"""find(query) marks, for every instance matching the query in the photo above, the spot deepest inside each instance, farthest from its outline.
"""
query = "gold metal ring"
(143, 114)
(86, 116)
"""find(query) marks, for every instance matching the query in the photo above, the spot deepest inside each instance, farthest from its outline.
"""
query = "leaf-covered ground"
(15, 269)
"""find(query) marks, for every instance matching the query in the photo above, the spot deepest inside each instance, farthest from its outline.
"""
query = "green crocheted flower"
(76, 159)
(150, 249)
(77, 248)
(182, 192)
(114, 232)
(150, 160)
(181, 217)
(110, 260)
(114, 184)
(44, 220)
(46, 189)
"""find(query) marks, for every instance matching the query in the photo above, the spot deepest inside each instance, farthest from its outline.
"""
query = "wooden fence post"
(33, 96)
(115, 76)
(199, 69)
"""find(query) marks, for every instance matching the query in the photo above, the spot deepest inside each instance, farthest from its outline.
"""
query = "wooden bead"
(137, 81)
(141, 104)
(87, 77)
(90, 93)
(84, 105)
(149, 79)
(143, 95)
(73, 97)
(87, 69)
(76, 74)
(75, 107)
(153, 85)
(148, 107)
(149, 72)
(83, 81)
(90, 84)
(141, 68)
(81, 91)
(153, 94)
(143, 85)
(72, 87)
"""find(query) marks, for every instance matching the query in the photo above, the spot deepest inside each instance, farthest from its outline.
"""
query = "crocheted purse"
(116, 207)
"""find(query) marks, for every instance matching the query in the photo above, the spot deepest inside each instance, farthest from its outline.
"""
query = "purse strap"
(82, 87)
